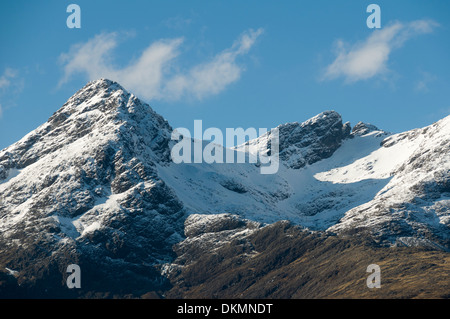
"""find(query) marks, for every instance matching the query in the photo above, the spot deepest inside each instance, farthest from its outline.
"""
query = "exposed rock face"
(305, 143)
(363, 128)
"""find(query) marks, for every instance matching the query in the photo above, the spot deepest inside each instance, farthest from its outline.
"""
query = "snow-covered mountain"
(394, 186)
(84, 188)
(96, 185)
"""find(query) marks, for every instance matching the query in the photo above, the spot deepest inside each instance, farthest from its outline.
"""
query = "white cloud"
(150, 75)
(90, 57)
(212, 77)
(94, 59)
(370, 58)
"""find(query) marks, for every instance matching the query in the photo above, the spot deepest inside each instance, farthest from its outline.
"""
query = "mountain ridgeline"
(95, 186)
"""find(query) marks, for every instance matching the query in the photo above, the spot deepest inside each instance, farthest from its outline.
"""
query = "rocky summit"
(95, 186)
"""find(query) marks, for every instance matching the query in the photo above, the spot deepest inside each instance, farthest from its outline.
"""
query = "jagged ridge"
(95, 185)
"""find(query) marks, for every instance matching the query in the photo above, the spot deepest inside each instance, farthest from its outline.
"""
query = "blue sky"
(230, 63)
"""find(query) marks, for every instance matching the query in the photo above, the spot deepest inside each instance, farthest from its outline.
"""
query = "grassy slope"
(282, 261)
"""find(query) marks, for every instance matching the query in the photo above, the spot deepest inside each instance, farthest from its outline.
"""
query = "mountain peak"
(313, 140)
(93, 94)
(105, 85)
(362, 128)
(100, 113)
(329, 115)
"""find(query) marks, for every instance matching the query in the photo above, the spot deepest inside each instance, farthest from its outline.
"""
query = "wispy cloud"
(214, 76)
(6, 78)
(423, 84)
(369, 58)
(151, 76)
(10, 84)
(94, 58)
(177, 23)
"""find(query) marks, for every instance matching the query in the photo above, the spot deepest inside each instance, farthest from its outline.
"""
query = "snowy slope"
(414, 206)
(365, 168)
